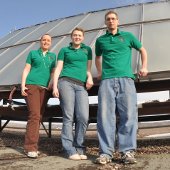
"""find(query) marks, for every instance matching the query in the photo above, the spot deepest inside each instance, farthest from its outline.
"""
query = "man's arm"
(99, 67)
(143, 71)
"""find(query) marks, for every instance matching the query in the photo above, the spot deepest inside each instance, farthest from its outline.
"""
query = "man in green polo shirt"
(117, 90)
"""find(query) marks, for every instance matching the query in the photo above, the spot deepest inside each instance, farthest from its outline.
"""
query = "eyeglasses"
(111, 19)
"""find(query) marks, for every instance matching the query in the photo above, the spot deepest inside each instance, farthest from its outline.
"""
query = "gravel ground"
(151, 154)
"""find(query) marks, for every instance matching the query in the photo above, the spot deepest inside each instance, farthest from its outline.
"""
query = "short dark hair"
(77, 29)
(111, 12)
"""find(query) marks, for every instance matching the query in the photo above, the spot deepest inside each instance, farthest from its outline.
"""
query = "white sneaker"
(33, 154)
(75, 157)
(38, 152)
(103, 159)
(83, 157)
(128, 157)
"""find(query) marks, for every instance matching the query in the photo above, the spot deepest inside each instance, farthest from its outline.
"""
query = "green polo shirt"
(116, 52)
(41, 67)
(75, 61)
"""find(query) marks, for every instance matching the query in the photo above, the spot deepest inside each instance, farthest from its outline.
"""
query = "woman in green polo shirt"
(72, 79)
(35, 88)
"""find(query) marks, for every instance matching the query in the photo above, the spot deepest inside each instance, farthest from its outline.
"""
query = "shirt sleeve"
(89, 53)
(98, 50)
(135, 43)
(61, 55)
(54, 62)
(29, 58)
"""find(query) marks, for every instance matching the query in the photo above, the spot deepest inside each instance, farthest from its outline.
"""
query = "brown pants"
(36, 102)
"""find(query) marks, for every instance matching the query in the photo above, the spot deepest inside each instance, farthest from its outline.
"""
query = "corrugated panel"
(62, 42)
(45, 28)
(67, 25)
(8, 37)
(156, 11)
(20, 36)
(94, 20)
(13, 66)
(9, 55)
(130, 14)
(154, 36)
(2, 51)
(157, 41)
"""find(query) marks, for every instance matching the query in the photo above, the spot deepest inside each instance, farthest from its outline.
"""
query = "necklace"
(46, 64)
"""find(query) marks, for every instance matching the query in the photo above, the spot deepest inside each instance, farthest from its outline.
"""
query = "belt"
(72, 80)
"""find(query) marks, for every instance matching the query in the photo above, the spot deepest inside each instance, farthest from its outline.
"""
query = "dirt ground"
(152, 154)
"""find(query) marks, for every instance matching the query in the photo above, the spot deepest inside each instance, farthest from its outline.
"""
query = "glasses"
(111, 19)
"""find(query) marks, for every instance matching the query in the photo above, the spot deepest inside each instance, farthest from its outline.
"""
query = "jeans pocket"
(130, 80)
(60, 83)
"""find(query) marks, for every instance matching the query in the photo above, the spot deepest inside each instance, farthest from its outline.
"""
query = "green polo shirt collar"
(109, 33)
(72, 48)
(40, 51)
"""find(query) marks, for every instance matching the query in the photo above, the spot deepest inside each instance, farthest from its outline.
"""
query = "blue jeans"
(117, 95)
(75, 106)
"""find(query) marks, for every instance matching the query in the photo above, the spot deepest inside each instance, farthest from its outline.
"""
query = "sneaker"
(103, 159)
(33, 154)
(75, 157)
(83, 157)
(128, 157)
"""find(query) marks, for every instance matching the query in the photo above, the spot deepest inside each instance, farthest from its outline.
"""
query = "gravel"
(52, 147)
